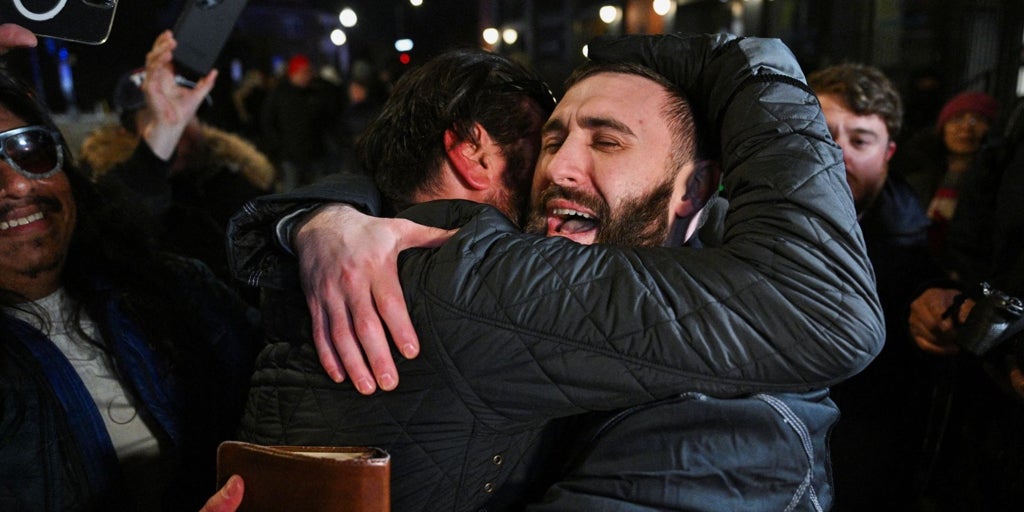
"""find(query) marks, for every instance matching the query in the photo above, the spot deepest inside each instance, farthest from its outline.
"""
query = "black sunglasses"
(34, 151)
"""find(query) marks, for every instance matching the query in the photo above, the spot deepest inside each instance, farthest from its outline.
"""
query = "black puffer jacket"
(517, 330)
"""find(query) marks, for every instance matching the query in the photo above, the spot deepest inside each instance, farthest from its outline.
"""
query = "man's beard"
(639, 222)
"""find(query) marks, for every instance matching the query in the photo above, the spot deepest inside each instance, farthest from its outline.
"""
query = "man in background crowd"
(876, 444)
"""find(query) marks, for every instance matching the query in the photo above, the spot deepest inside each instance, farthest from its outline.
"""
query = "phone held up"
(80, 21)
(201, 31)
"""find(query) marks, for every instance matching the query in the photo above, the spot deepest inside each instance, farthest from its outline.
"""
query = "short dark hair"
(687, 136)
(864, 89)
(403, 148)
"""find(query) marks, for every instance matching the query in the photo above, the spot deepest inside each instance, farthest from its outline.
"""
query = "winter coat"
(191, 205)
(55, 453)
(518, 330)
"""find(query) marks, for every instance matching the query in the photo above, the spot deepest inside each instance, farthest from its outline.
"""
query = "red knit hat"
(297, 63)
(970, 101)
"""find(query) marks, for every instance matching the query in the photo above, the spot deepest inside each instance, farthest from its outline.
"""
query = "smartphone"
(201, 31)
(81, 21)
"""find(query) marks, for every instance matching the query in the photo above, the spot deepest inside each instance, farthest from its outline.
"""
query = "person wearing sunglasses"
(121, 367)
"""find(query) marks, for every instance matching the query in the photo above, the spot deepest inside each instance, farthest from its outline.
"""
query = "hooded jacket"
(518, 330)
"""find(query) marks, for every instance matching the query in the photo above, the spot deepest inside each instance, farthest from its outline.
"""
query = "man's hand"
(348, 263)
(15, 36)
(932, 332)
(171, 106)
(228, 498)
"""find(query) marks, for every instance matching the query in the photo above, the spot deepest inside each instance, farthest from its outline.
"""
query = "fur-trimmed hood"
(110, 145)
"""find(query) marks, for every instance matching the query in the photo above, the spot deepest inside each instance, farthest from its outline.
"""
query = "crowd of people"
(700, 280)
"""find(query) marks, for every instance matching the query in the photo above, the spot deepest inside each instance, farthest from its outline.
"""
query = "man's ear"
(690, 194)
(471, 161)
(701, 184)
(889, 151)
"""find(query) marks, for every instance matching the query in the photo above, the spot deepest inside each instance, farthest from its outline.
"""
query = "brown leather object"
(308, 478)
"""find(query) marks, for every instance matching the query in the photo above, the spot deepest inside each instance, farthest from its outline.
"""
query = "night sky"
(269, 31)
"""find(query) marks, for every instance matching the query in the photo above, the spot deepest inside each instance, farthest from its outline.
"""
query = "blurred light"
(510, 35)
(338, 37)
(491, 35)
(416, 3)
(348, 18)
(403, 45)
(67, 81)
(236, 70)
(661, 7)
(586, 51)
(404, 58)
(608, 14)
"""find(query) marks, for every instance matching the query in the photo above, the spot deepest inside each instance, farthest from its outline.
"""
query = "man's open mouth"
(566, 221)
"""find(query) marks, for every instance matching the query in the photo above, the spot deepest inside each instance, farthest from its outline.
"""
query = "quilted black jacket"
(517, 330)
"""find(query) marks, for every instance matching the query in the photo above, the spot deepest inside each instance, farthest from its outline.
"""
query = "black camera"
(995, 320)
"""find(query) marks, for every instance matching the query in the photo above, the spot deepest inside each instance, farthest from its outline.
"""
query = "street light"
(510, 36)
(403, 45)
(348, 18)
(491, 35)
(416, 3)
(338, 37)
(662, 7)
(608, 14)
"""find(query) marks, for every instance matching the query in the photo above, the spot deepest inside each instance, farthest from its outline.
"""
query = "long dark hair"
(110, 252)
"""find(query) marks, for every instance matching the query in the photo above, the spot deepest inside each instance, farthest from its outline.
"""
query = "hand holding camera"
(996, 319)
(994, 330)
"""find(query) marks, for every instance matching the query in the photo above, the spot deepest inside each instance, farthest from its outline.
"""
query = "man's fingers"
(418, 235)
(16, 36)
(228, 498)
(391, 305)
(329, 359)
(931, 347)
(355, 366)
(373, 343)
(341, 312)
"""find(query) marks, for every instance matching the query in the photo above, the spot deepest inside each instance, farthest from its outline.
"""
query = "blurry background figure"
(191, 197)
(248, 101)
(365, 98)
(936, 159)
(876, 443)
(292, 125)
(975, 446)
